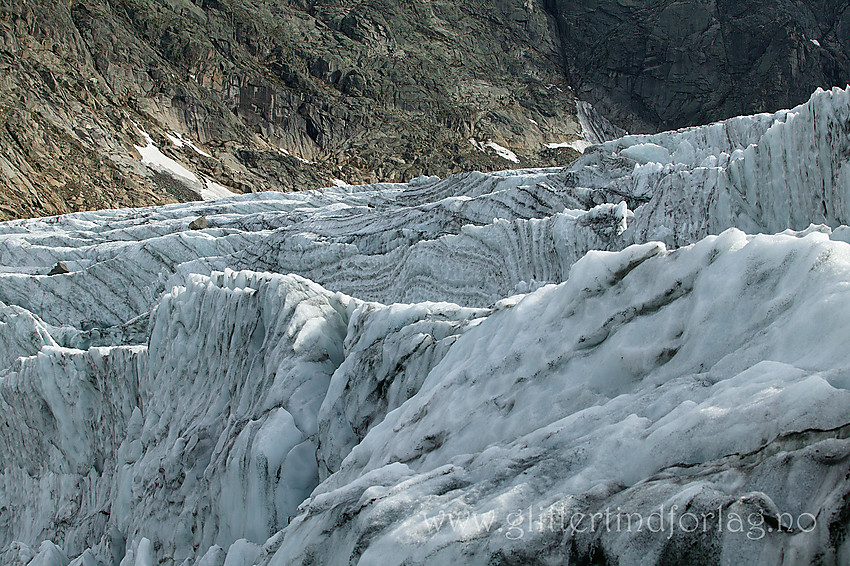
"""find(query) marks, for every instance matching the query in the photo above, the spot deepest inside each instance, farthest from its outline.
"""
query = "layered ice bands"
(641, 358)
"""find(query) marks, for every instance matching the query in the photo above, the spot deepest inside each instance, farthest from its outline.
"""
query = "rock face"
(132, 102)
(673, 63)
(284, 95)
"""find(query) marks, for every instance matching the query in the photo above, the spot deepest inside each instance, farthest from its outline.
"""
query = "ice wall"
(400, 373)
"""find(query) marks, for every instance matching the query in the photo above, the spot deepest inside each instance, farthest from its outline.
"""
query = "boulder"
(59, 269)
(200, 223)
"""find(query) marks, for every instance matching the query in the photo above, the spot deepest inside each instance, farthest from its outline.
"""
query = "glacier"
(496, 368)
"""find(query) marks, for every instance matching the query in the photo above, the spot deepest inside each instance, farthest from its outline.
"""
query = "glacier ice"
(449, 370)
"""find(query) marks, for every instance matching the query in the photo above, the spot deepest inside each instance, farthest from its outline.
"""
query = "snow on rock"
(179, 141)
(158, 161)
(154, 158)
(595, 128)
(501, 151)
(300, 159)
(213, 190)
(578, 145)
(491, 368)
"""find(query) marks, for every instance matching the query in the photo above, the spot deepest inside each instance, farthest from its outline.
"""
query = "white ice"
(443, 371)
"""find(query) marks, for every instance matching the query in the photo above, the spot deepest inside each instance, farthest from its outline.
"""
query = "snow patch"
(501, 151)
(578, 145)
(179, 141)
(154, 158)
(214, 190)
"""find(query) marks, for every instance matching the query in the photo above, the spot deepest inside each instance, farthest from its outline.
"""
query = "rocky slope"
(283, 95)
(297, 94)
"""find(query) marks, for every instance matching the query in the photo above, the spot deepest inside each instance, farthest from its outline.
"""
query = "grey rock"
(199, 223)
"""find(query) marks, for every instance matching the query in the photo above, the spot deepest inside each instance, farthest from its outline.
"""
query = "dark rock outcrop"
(59, 269)
(660, 64)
